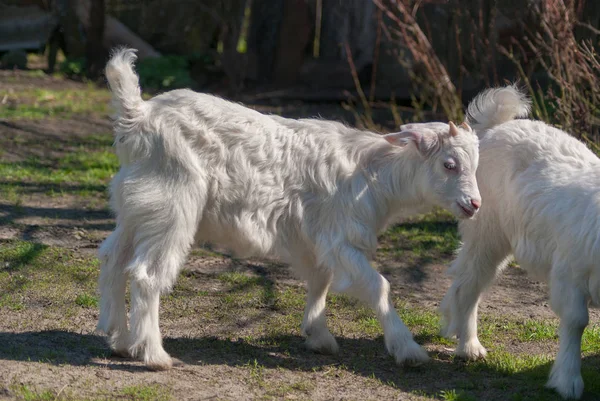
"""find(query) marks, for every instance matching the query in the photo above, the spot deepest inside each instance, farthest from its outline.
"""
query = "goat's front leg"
(373, 289)
(570, 304)
(314, 324)
(477, 264)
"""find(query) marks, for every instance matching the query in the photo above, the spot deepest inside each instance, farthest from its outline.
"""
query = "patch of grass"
(83, 167)
(205, 253)
(257, 372)
(537, 330)
(590, 343)
(34, 275)
(510, 364)
(341, 300)
(87, 171)
(147, 393)
(248, 291)
(291, 299)
(424, 323)
(24, 393)
(370, 326)
(452, 395)
(80, 165)
(503, 329)
(87, 301)
(62, 103)
(22, 253)
(428, 237)
(239, 279)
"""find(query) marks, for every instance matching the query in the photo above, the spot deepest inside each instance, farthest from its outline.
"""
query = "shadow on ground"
(363, 357)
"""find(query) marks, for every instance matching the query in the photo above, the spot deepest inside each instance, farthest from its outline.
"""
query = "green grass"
(82, 167)
(246, 290)
(426, 238)
(453, 395)
(153, 392)
(147, 393)
(62, 103)
(82, 172)
(25, 393)
(86, 301)
(32, 274)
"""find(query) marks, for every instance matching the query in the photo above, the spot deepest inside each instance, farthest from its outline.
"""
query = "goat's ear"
(453, 130)
(425, 141)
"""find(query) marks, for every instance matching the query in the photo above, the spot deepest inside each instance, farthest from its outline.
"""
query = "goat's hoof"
(161, 361)
(159, 366)
(411, 354)
(569, 387)
(322, 344)
(472, 350)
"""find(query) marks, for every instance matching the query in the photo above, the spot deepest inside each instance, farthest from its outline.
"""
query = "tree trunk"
(95, 51)
(263, 39)
(294, 36)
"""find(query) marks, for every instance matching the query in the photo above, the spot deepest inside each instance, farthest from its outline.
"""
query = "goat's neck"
(394, 179)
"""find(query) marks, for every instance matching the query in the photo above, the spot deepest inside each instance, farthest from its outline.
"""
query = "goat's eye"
(450, 166)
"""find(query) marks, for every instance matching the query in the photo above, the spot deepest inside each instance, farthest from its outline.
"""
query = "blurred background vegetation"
(387, 61)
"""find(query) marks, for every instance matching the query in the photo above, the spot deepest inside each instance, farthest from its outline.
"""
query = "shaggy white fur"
(196, 168)
(541, 194)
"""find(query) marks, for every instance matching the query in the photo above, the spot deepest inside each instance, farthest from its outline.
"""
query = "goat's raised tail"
(124, 84)
(496, 106)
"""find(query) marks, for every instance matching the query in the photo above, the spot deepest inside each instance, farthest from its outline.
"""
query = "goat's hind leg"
(114, 253)
(314, 324)
(570, 304)
(158, 258)
(162, 237)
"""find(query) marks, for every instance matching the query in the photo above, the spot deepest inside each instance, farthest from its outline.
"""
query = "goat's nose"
(476, 203)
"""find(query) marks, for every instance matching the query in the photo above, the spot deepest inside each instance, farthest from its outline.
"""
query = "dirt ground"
(245, 350)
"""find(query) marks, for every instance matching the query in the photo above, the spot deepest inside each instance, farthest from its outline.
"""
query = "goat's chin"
(461, 214)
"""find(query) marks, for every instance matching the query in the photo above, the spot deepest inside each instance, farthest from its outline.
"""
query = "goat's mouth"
(467, 211)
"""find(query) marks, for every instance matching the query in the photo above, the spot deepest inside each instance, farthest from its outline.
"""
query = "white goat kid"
(196, 168)
(541, 191)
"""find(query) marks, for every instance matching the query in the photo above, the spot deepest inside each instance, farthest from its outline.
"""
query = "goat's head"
(451, 156)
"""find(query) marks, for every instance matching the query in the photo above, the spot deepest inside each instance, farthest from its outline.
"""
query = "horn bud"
(466, 126)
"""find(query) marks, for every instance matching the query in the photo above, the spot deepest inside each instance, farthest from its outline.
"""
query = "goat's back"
(266, 174)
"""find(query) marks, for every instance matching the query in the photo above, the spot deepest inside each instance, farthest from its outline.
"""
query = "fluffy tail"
(496, 106)
(124, 84)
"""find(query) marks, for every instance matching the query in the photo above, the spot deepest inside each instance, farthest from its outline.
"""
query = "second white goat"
(196, 168)
(541, 194)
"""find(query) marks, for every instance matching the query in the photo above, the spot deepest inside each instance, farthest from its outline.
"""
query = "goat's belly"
(534, 258)
(244, 238)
